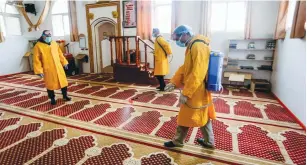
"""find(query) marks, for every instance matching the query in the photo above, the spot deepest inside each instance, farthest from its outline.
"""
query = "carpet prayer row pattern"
(244, 124)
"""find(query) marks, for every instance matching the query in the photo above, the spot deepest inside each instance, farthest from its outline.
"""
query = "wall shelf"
(249, 60)
(253, 39)
(229, 69)
(260, 48)
(251, 49)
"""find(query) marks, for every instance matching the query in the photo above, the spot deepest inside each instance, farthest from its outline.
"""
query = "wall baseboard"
(290, 112)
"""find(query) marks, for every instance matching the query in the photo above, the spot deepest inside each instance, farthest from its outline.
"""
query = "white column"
(234, 134)
(156, 96)
(230, 92)
(116, 92)
(162, 121)
(57, 143)
(279, 140)
(254, 95)
(133, 115)
(262, 107)
(1, 115)
(11, 127)
(193, 135)
(111, 109)
(85, 107)
(231, 107)
(29, 135)
(90, 152)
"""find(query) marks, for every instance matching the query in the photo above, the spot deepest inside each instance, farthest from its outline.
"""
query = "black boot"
(53, 101)
(64, 92)
(51, 96)
(161, 82)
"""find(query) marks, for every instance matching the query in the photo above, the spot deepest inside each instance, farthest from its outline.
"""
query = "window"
(10, 9)
(60, 20)
(14, 25)
(228, 16)
(162, 15)
(9, 19)
(290, 15)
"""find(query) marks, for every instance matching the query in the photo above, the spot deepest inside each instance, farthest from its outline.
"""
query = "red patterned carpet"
(100, 126)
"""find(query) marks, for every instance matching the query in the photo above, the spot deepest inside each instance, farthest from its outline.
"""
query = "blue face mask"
(179, 43)
(48, 39)
(154, 35)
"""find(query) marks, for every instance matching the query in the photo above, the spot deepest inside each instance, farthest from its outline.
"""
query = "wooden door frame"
(89, 28)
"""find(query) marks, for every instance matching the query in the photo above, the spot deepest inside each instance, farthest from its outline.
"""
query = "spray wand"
(202, 107)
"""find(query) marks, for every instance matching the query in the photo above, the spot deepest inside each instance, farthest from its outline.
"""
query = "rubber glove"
(66, 67)
(183, 99)
(41, 75)
(169, 87)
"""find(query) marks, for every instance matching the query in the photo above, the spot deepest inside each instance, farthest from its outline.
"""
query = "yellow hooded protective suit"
(161, 62)
(49, 60)
(192, 75)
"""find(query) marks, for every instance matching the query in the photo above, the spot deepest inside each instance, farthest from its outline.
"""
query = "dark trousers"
(206, 131)
(51, 94)
(161, 81)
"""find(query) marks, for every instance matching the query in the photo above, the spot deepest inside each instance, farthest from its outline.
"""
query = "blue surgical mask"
(48, 39)
(179, 43)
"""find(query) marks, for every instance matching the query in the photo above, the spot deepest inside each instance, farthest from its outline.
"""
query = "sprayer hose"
(207, 105)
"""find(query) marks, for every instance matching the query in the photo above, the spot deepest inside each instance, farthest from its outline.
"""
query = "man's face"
(46, 34)
(182, 37)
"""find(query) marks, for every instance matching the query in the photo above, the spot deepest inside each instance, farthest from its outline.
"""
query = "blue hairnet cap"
(44, 32)
(155, 30)
(183, 29)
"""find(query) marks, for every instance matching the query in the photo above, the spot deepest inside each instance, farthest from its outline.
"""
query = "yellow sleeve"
(62, 58)
(166, 46)
(177, 79)
(37, 63)
(200, 62)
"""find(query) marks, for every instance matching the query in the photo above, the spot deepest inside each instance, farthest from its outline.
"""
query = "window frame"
(12, 15)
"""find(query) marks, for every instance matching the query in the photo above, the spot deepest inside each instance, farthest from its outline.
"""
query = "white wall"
(263, 26)
(289, 72)
(12, 52)
(264, 18)
(47, 25)
(189, 15)
(289, 76)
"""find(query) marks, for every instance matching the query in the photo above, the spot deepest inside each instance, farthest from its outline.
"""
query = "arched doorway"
(102, 28)
(103, 18)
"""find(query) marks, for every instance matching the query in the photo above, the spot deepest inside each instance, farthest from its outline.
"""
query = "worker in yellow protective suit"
(161, 52)
(191, 75)
(48, 63)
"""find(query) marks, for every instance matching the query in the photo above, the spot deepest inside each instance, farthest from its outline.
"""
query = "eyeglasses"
(176, 37)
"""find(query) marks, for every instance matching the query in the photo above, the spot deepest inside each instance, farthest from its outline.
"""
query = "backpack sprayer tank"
(214, 81)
